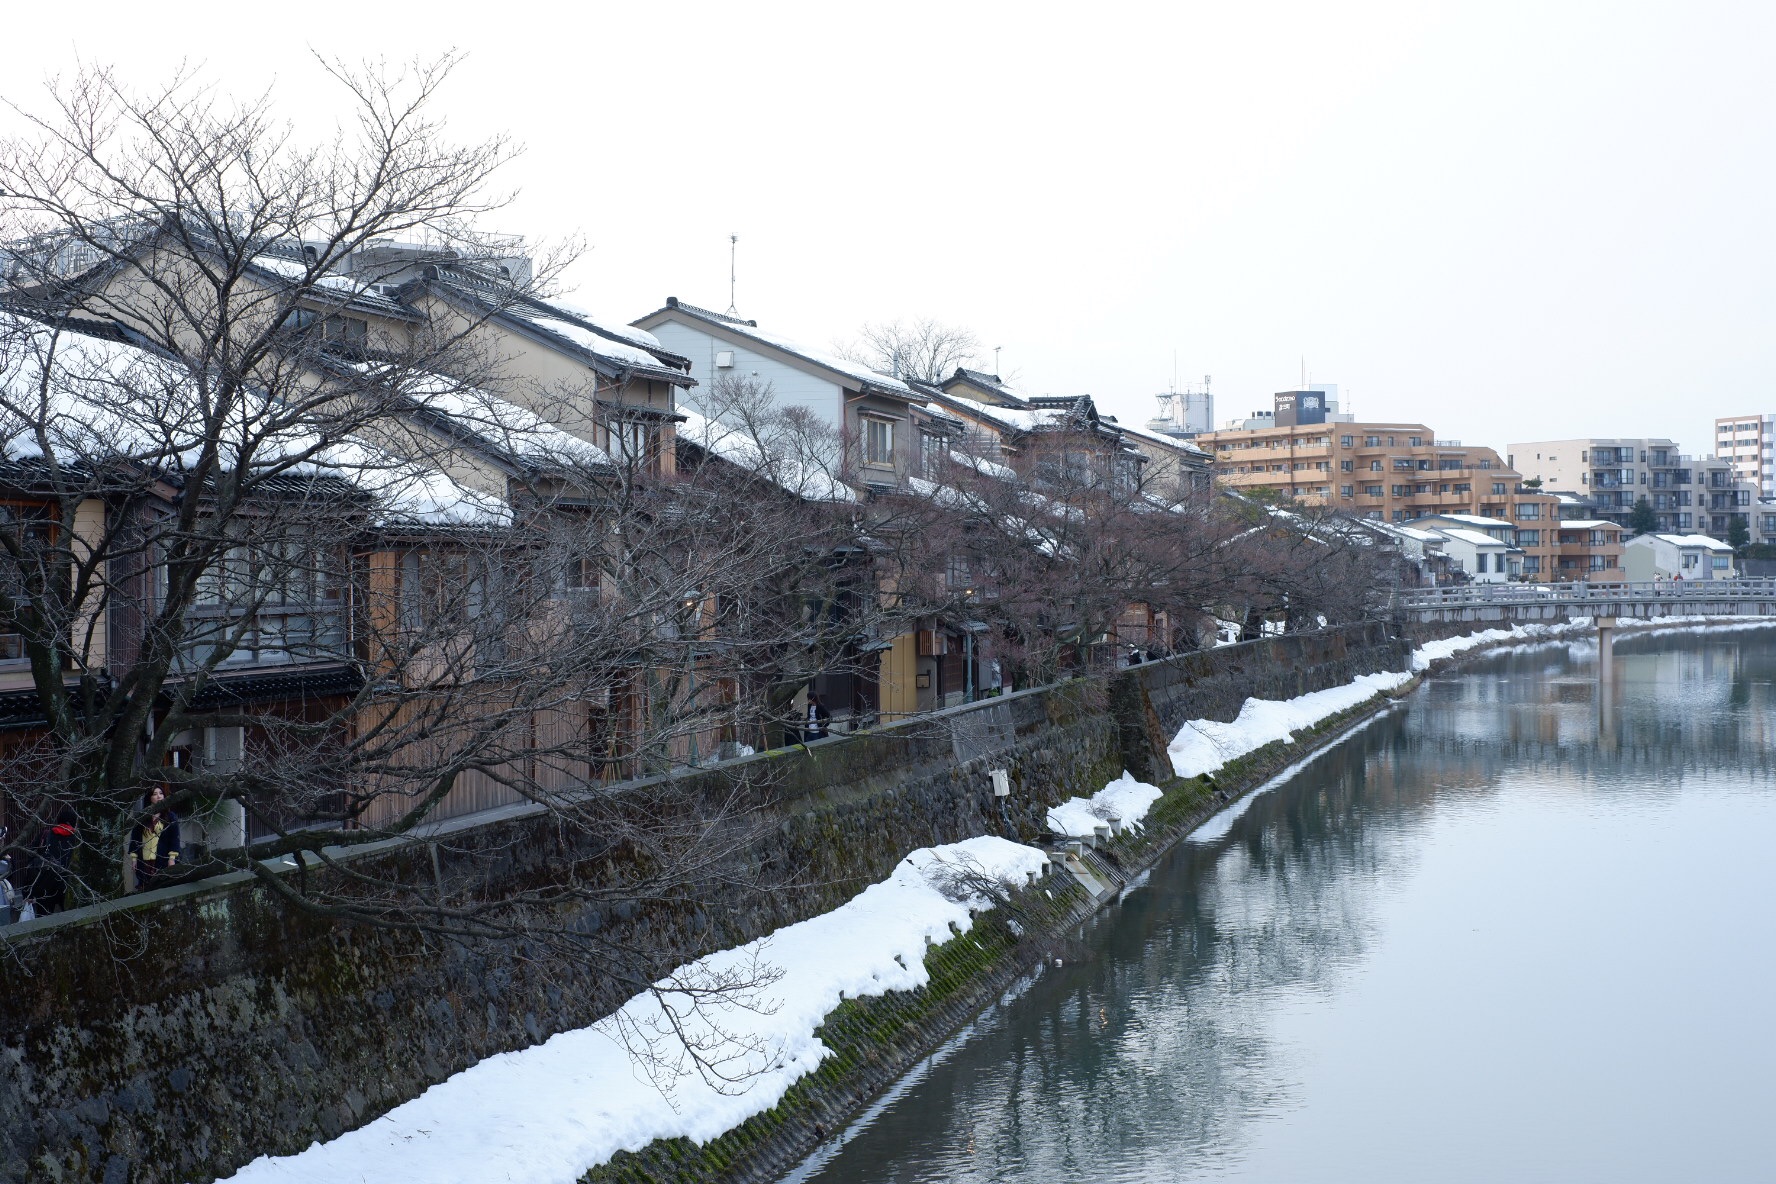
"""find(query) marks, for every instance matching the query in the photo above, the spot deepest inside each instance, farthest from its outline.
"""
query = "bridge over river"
(1487, 605)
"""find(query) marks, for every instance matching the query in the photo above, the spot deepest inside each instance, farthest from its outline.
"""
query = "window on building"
(1532, 565)
(878, 442)
(635, 442)
(1400, 490)
(1372, 441)
(1529, 510)
(1346, 466)
(1480, 564)
(1346, 442)
(348, 335)
(933, 452)
(1372, 490)
(1375, 466)
(1347, 491)
(1498, 489)
(1529, 538)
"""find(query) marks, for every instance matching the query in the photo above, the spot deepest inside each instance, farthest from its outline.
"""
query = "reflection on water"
(1516, 929)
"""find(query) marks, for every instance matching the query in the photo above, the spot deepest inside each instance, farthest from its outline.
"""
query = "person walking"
(154, 841)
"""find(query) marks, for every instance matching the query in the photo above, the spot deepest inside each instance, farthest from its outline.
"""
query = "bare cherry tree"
(275, 551)
(925, 349)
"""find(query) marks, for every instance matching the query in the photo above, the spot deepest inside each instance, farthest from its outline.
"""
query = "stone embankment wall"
(176, 1036)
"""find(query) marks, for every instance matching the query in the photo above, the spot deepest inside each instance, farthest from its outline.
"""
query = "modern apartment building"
(1395, 473)
(1687, 493)
(1392, 471)
(1748, 443)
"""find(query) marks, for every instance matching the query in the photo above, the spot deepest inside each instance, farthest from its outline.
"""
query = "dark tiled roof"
(979, 377)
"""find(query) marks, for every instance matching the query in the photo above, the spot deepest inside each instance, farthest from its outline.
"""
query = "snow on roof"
(1690, 540)
(411, 492)
(102, 399)
(610, 325)
(1473, 538)
(984, 467)
(1162, 438)
(353, 288)
(514, 430)
(1586, 524)
(1416, 534)
(1473, 520)
(795, 470)
(947, 496)
(1015, 417)
(109, 401)
(592, 342)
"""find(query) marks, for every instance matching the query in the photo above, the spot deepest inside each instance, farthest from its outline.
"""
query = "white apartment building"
(1748, 442)
(1687, 493)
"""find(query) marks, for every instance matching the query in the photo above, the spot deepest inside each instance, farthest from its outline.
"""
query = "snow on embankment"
(1125, 798)
(1204, 745)
(547, 1114)
(1448, 647)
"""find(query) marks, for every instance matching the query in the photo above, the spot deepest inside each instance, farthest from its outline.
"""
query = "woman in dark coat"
(154, 841)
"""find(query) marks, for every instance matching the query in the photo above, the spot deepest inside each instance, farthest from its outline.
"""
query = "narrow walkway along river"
(1519, 928)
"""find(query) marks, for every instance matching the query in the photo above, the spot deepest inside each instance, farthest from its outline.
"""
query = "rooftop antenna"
(733, 247)
(1303, 371)
(996, 350)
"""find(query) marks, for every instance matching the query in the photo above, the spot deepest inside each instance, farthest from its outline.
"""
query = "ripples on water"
(1519, 929)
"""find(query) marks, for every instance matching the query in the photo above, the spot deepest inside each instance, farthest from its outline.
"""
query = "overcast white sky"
(1510, 221)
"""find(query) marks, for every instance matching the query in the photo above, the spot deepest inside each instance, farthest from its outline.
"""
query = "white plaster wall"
(791, 387)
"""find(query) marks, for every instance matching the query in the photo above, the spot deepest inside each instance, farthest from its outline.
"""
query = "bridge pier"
(1606, 649)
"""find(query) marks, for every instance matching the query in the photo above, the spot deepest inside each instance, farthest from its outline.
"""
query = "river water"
(1519, 928)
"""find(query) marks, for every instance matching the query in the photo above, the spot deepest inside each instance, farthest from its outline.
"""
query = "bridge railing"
(1580, 592)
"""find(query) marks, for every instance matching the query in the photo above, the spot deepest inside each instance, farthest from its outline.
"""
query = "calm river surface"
(1515, 930)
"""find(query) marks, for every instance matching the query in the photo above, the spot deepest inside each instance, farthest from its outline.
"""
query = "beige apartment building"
(1393, 472)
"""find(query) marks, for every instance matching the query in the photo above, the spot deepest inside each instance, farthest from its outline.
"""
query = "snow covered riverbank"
(549, 1113)
(546, 1114)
